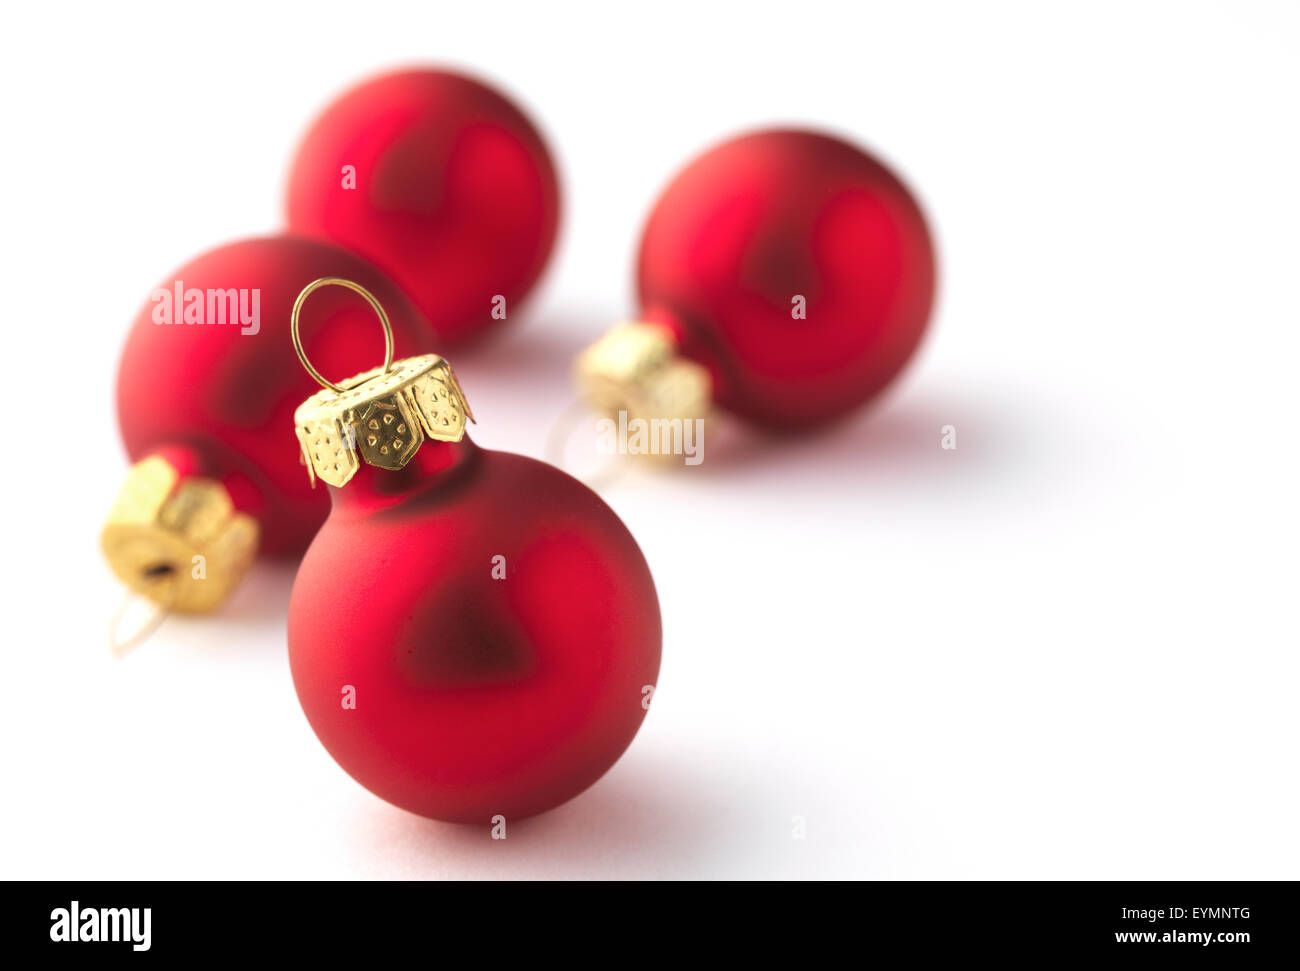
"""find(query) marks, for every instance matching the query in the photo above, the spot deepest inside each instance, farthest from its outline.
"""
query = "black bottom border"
(1229, 920)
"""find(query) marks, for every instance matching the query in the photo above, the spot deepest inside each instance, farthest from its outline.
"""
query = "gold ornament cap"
(636, 367)
(381, 416)
(178, 541)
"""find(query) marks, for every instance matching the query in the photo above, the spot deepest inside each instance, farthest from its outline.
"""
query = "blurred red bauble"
(206, 384)
(442, 183)
(793, 269)
(474, 633)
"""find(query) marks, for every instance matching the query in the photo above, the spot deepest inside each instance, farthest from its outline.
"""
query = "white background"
(1065, 650)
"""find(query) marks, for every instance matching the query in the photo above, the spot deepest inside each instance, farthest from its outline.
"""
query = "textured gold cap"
(636, 367)
(381, 416)
(179, 542)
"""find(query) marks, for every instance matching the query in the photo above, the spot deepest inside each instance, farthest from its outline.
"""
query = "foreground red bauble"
(200, 391)
(442, 183)
(786, 275)
(474, 634)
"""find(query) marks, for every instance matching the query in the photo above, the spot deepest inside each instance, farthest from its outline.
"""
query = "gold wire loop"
(557, 440)
(369, 297)
(120, 647)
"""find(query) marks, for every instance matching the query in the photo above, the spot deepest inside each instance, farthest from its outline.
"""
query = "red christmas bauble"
(442, 183)
(210, 393)
(476, 634)
(795, 267)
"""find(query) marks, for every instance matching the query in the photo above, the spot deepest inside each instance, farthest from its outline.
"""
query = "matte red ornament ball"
(213, 394)
(441, 182)
(797, 268)
(475, 635)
